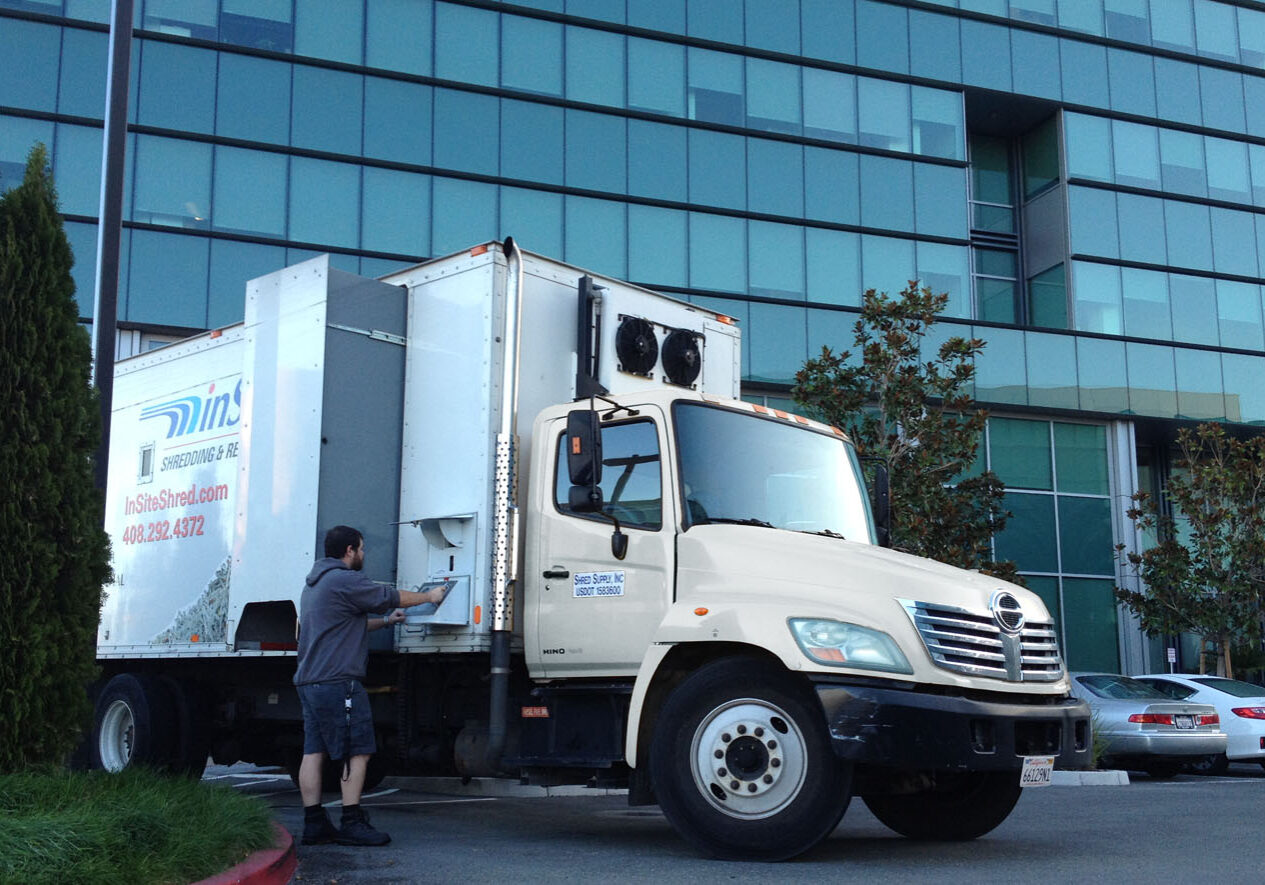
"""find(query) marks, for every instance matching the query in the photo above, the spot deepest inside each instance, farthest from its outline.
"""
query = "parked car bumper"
(1246, 747)
(1168, 744)
(911, 730)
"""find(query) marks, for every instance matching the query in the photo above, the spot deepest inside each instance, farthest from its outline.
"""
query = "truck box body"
(345, 400)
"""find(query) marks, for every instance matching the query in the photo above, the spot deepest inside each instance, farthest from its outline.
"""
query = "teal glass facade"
(1085, 179)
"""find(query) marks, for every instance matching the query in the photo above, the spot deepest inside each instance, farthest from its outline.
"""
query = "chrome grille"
(972, 643)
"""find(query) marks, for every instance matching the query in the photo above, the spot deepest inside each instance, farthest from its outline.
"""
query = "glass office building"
(1085, 178)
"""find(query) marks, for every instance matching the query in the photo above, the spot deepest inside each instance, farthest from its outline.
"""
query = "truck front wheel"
(960, 807)
(133, 724)
(742, 764)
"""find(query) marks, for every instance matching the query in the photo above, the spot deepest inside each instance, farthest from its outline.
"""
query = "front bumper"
(915, 731)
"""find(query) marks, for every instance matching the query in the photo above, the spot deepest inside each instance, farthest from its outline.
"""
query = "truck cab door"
(591, 614)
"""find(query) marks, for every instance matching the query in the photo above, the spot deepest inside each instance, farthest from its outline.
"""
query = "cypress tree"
(54, 553)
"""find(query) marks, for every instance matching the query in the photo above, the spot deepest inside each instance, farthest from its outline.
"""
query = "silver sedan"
(1141, 729)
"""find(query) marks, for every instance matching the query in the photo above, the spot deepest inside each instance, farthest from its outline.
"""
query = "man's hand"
(394, 617)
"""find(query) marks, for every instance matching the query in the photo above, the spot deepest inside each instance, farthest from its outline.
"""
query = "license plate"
(1184, 720)
(1037, 771)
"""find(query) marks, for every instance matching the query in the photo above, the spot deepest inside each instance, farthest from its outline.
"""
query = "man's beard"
(358, 564)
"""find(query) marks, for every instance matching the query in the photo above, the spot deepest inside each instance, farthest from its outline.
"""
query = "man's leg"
(354, 783)
(310, 778)
(356, 829)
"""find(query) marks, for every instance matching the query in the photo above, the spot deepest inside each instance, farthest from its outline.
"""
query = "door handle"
(557, 573)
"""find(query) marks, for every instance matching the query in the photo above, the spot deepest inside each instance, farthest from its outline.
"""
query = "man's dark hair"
(339, 538)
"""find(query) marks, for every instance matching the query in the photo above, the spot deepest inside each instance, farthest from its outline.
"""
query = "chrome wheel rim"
(748, 759)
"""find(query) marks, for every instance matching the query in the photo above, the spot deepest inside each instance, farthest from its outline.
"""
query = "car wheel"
(133, 724)
(960, 807)
(1210, 765)
(1163, 770)
(742, 764)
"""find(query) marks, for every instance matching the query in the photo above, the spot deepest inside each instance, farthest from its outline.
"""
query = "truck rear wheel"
(742, 764)
(964, 806)
(133, 724)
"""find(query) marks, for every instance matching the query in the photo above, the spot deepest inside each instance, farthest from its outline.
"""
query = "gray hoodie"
(333, 621)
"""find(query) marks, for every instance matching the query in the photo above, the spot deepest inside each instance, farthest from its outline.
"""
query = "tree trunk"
(1225, 649)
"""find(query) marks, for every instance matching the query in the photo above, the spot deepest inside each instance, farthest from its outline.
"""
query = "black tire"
(771, 737)
(191, 743)
(1214, 766)
(134, 724)
(960, 806)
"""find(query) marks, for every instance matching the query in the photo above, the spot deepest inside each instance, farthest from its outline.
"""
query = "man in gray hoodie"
(334, 623)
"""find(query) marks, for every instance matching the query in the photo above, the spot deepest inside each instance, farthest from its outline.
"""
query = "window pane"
(396, 212)
(714, 20)
(657, 240)
(330, 29)
(1182, 163)
(83, 245)
(1093, 222)
(946, 269)
(531, 141)
(596, 234)
(1233, 242)
(1228, 177)
(1177, 91)
(1092, 637)
(83, 67)
(467, 43)
(1037, 69)
(715, 90)
(1199, 386)
(596, 152)
(1101, 372)
(1096, 288)
(938, 123)
(29, 54)
(1084, 73)
(718, 253)
(1047, 298)
(1082, 16)
(985, 55)
(595, 67)
(1152, 384)
(177, 87)
(1085, 537)
(462, 212)
(267, 24)
(773, 101)
(232, 264)
(1141, 223)
(1194, 309)
(173, 182)
(891, 54)
(1172, 26)
(1128, 20)
(776, 256)
(1245, 387)
(602, 10)
(830, 105)
(77, 169)
(935, 46)
(1132, 82)
(1029, 539)
(531, 55)
(253, 99)
(400, 35)
(1136, 154)
(656, 77)
(887, 264)
(324, 202)
(780, 342)
(1257, 154)
(17, 136)
(161, 264)
(467, 133)
(532, 218)
(1040, 158)
(657, 160)
(1051, 370)
(884, 114)
(1000, 375)
(834, 267)
(828, 30)
(1239, 315)
(1080, 454)
(832, 189)
(710, 151)
(1189, 232)
(775, 177)
(939, 197)
(1088, 147)
(397, 121)
(662, 15)
(887, 193)
(630, 487)
(250, 192)
(1222, 95)
(328, 110)
(1146, 313)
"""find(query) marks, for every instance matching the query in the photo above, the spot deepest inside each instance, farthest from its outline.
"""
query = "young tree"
(914, 417)
(54, 557)
(1206, 573)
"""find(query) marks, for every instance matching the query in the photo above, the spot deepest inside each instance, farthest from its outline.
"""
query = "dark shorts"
(325, 720)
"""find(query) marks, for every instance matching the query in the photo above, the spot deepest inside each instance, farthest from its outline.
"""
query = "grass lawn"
(135, 828)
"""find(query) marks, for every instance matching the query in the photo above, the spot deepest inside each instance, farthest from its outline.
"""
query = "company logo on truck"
(194, 414)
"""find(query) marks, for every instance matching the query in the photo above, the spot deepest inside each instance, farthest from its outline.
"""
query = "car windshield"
(743, 468)
(1233, 687)
(1119, 687)
(1175, 690)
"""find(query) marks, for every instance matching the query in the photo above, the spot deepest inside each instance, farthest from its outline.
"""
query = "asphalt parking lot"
(1190, 828)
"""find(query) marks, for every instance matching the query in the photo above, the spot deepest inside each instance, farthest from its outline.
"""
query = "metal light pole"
(109, 230)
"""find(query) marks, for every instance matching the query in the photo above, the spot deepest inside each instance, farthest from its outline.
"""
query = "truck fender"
(645, 676)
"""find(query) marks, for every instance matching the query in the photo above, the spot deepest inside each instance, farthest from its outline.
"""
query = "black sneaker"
(319, 830)
(357, 830)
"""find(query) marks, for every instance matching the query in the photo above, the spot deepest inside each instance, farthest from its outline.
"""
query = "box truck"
(652, 583)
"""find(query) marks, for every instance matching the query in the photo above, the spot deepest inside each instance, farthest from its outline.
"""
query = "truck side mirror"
(585, 499)
(584, 449)
(881, 503)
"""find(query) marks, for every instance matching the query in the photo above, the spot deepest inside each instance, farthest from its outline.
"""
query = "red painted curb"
(272, 866)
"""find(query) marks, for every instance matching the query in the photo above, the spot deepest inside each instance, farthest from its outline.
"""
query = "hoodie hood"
(322, 567)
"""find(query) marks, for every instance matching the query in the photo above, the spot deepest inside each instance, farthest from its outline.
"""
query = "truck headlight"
(839, 644)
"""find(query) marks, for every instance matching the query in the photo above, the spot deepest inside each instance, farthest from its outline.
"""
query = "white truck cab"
(653, 583)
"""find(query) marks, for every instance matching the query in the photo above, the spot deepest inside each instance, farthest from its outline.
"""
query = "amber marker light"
(700, 611)
(478, 614)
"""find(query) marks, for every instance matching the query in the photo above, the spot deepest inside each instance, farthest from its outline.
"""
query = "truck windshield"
(738, 467)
